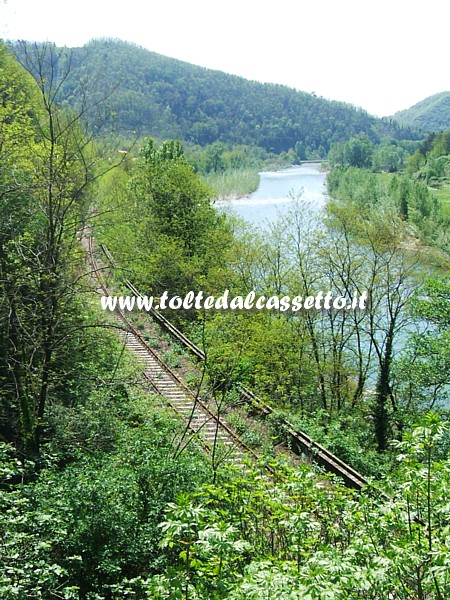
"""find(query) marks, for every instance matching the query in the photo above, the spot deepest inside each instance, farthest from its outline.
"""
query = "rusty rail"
(299, 441)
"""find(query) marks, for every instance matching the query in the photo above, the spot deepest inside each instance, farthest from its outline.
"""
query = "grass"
(236, 182)
(443, 195)
(386, 178)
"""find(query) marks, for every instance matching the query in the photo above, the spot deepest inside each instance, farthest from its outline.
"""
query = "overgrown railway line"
(200, 420)
(298, 441)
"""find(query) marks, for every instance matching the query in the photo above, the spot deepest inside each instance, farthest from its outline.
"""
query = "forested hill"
(430, 115)
(167, 98)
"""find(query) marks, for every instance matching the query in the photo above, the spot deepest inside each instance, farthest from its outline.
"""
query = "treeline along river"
(276, 195)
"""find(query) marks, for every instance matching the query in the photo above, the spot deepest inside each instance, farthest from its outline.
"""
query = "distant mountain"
(429, 115)
(150, 94)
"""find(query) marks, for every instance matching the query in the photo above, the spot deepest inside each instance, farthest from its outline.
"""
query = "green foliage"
(307, 539)
(431, 114)
(230, 157)
(423, 374)
(237, 183)
(350, 437)
(111, 509)
(229, 171)
(164, 227)
(46, 169)
(356, 152)
(89, 529)
(155, 95)
(378, 235)
(431, 162)
(177, 201)
(410, 200)
(386, 156)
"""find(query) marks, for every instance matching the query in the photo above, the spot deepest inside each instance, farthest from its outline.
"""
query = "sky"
(383, 55)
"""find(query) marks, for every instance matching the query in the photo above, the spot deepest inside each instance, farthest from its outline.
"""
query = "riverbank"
(239, 185)
(233, 184)
(276, 194)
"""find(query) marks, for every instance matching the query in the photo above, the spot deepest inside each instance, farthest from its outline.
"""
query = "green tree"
(19, 220)
(389, 275)
(423, 375)
(358, 151)
(46, 174)
(182, 237)
(177, 201)
(214, 154)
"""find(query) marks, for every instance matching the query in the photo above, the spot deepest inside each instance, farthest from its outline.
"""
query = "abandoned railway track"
(201, 421)
(298, 441)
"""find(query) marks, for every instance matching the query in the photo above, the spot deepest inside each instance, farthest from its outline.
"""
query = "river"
(276, 193)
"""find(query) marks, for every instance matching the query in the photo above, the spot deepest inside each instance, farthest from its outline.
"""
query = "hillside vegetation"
(151, 94)
(429, 115)
(103, 494)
